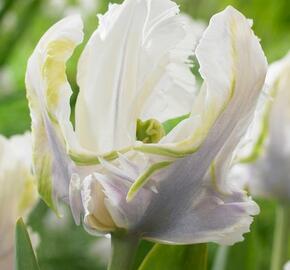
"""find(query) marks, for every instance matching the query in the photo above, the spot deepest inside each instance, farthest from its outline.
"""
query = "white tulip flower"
(17, 191)
(123, 167)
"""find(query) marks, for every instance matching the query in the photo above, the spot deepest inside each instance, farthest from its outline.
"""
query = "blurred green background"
(22, 24)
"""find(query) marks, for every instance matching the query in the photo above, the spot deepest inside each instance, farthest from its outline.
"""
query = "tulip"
(124, 167)
(17, 191)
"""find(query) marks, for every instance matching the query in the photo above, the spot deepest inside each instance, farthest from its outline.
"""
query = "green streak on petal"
(165, 150)
(43, 162)
(144, 178)
(86, 159)
(83, 160)
(212, 174)
(259, 146)
(214, 180)
(53, 69)
(28, 195)
(149, 131)
(260, 143)
(44, 181)
(172, 123)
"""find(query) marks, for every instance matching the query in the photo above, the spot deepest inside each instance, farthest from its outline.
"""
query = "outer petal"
(123, 63)
(212, 218)
(48, 93)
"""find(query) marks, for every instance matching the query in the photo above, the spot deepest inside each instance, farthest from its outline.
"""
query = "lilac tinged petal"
(75, 200)
(190, 177)
(115, 189)
(96, 216)
(210, 219)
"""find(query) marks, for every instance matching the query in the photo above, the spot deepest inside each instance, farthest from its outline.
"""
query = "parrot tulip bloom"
(123, 166)
(17, 191)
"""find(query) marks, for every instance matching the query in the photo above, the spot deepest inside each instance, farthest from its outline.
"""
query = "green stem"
(280, 243)
(124, 248)
(220, 260)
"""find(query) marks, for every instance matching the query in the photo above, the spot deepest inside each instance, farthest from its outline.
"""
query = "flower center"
(149, 131)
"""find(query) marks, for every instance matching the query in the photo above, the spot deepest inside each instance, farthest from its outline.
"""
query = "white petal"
(190, 209)
(211, 219)
(107, 210)
(268, 162)
(119, 68)
(128, 166)
(188, 179)
(115, 181)
(48, 92)
(75, 200)
(96, 216)
(174, 94)
(252, 146)
(240, 176)
(233, 66)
